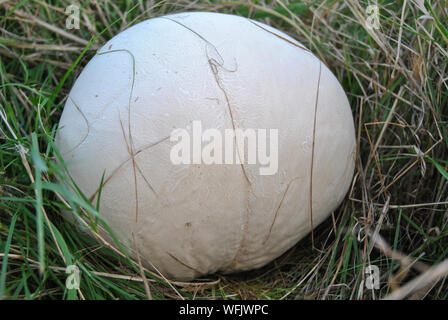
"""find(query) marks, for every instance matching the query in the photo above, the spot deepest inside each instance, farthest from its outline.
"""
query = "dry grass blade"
(432, 275)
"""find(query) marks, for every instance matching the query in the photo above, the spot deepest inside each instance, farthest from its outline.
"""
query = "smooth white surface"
(198, 219)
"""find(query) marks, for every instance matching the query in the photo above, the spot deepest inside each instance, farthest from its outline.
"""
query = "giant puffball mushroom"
(228, 72)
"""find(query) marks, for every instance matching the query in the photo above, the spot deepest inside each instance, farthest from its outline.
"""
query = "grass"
(395, 216)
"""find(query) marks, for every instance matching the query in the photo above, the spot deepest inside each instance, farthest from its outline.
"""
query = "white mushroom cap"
(227, 72)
